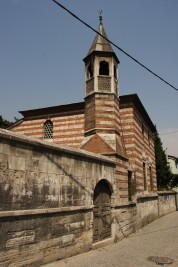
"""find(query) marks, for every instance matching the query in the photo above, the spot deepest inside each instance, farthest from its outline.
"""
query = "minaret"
(102, 120)
(101, 66)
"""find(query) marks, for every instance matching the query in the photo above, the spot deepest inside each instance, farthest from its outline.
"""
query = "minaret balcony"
(115, 86)
(104, 83)
(89, 86)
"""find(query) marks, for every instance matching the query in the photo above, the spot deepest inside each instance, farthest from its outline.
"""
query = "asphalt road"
(160, 238)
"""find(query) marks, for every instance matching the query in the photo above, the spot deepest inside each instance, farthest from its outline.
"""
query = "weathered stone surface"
(46, 201)
(20, 239)
(33, 178)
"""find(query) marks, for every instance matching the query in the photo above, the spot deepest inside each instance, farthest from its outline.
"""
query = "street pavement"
(160, 238)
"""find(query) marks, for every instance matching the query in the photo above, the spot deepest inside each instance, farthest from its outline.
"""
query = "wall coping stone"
(120, 206)
(8, 135)
(18, 213)
(171, 192)
(147, 197)
(117, 155)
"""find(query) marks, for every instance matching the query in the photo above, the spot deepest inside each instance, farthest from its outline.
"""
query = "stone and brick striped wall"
(103, 116)
(121, 176)
(139, 147)
(102, 112)
(67, 130)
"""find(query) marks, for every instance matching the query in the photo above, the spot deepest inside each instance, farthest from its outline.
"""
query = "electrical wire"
(90, 27)
(169, 133)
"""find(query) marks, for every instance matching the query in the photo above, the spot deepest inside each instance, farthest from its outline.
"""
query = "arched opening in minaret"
(115, 72)
(90, 72)
(104, 68)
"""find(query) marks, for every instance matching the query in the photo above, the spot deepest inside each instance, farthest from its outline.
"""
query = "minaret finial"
(100, 15)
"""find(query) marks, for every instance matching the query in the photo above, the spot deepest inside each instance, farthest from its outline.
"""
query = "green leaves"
(163, 172)
(4, 123)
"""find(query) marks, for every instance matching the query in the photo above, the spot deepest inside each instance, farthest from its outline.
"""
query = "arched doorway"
(102, 211)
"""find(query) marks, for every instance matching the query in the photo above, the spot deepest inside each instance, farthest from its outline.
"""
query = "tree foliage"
(5, 123)
(163, 171)
(174, 181)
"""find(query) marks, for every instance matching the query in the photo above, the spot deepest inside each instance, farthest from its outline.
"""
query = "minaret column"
(102, 118)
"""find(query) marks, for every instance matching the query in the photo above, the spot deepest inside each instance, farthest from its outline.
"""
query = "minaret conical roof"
(100, 43)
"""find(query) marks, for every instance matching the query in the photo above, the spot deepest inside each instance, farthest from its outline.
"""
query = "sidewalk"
(160, 238)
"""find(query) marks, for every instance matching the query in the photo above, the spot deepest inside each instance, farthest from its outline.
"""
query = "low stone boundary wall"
(46, 201)
(166, 202)
(43, 236)
(124, 221)
(147, 210)
(46, 197)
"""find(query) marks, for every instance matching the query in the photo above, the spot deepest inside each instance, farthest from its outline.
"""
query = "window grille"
(129, 185)
(48, 129)
(151, 178)
(144, 176)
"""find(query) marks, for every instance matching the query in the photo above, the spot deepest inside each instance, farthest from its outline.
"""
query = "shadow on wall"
(62, 185)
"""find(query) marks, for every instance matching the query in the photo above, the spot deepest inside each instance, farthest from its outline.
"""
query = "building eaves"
(133, 99)
(55, 110)
(173, 158)
(15, 124)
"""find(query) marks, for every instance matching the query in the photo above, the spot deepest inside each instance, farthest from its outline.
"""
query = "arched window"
(151, 178)
(130, 186)
(143, 131)
(104, 68)
(48, 129)
(115, 72)
(90, 71)
(144, 177)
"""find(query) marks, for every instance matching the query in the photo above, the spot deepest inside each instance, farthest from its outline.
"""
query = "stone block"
(20, 239)
(16, 163)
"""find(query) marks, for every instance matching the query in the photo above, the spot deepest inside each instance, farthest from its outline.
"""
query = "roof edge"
(133, 98)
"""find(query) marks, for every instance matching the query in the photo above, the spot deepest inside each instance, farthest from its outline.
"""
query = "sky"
(42, 49)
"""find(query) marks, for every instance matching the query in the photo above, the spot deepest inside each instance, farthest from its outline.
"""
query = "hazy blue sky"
(42, 50)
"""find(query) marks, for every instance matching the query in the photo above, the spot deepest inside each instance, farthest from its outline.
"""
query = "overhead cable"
(168, 133)
(135, 60)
